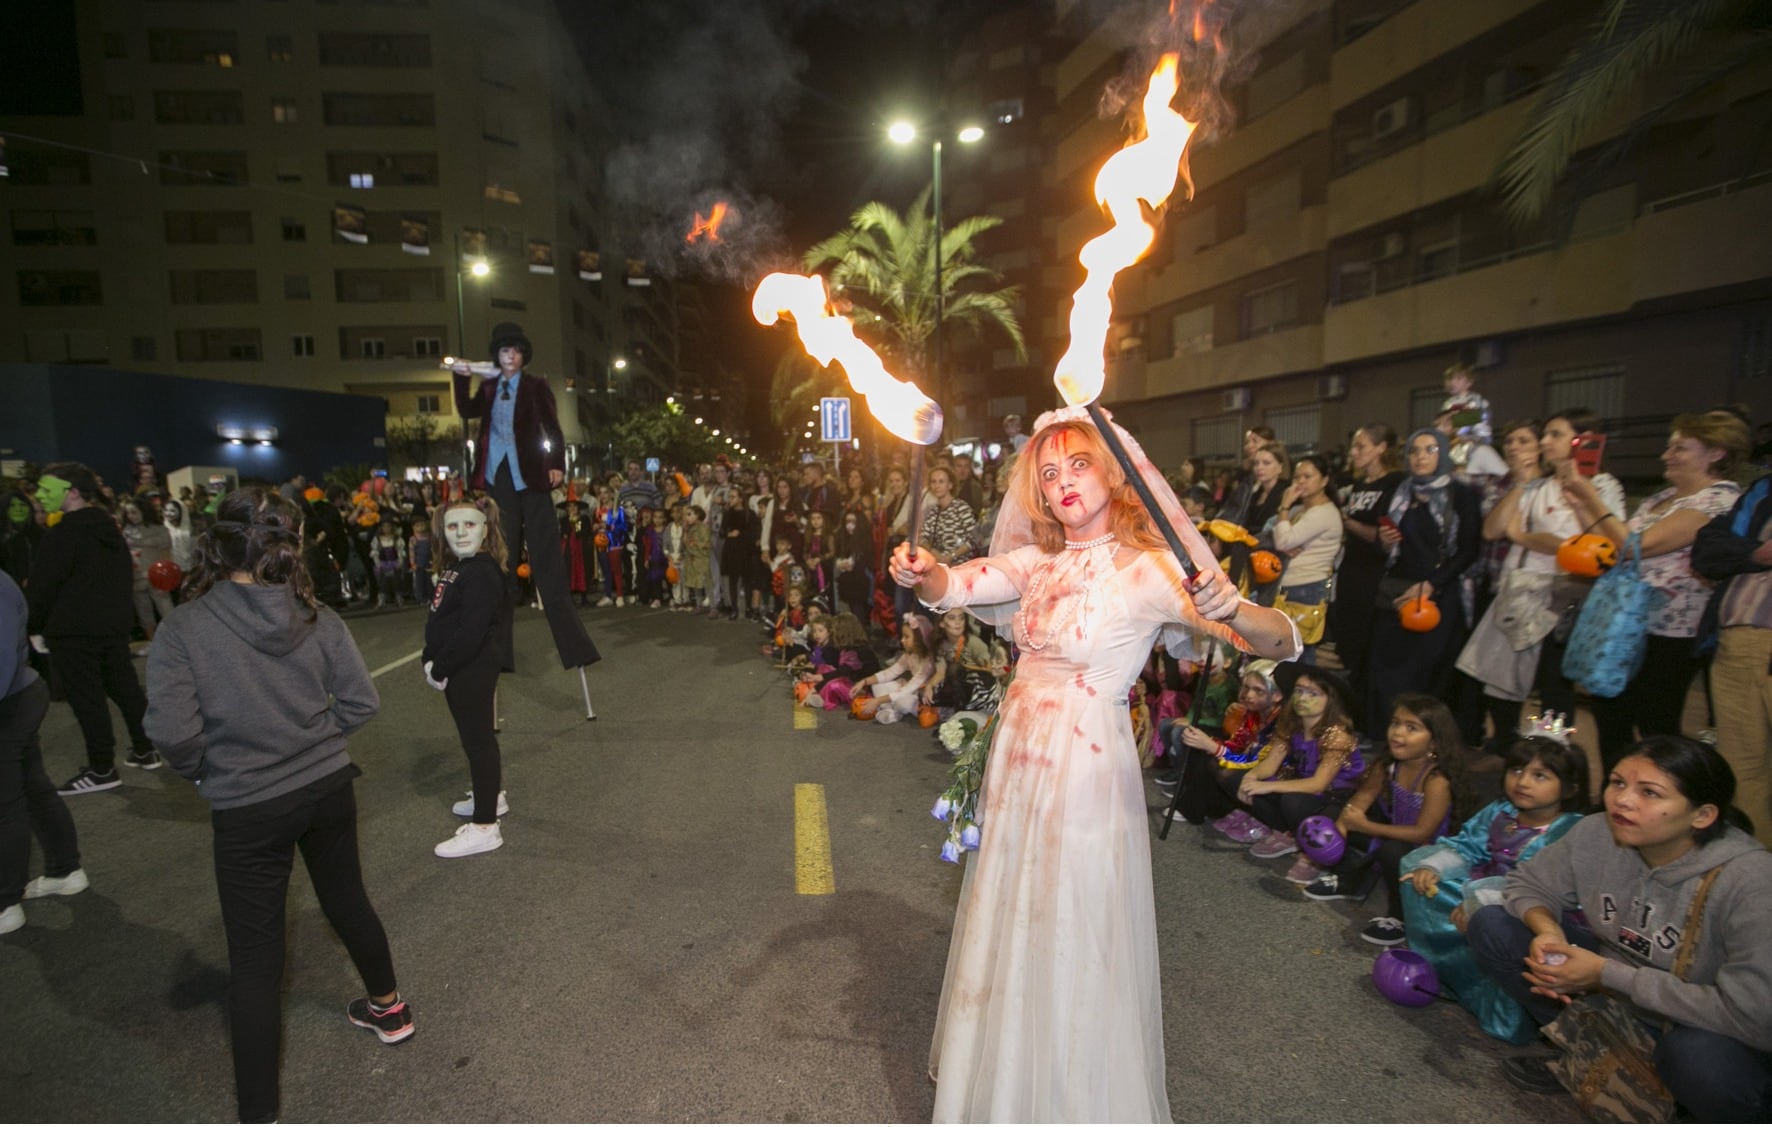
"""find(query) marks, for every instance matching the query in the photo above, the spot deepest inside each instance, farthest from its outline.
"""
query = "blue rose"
(943, 807)
(969, 837)
(950, 852)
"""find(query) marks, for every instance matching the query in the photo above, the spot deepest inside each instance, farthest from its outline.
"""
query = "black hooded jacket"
(82, 579)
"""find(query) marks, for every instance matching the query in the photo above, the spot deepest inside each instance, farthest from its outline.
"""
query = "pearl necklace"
(1085, 545)
(1039, 584)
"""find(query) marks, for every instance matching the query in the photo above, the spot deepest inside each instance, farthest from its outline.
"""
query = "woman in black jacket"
(463, 657)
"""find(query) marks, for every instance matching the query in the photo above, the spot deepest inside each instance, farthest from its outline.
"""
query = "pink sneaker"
(1250, 832)
(1232, 822)
(1274, 845)
(1302, 871)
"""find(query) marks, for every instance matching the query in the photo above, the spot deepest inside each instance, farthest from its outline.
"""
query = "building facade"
(296, 193)
(1344, 245)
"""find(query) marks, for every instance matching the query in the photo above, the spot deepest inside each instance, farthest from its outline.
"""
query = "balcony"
(1279, 353)
(1410, 39)
(1303, 114)
(1445, 165)
(1281, 240)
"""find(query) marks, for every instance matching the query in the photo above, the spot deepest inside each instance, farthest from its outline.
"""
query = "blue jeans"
(1716, 1078)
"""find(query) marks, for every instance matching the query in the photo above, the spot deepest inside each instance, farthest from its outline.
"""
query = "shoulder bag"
(1612, 631)
(1608, 1053)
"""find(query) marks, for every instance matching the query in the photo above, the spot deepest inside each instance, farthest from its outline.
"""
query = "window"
(400, 286)
(1195, 230)
(1438, 260)
(378, 109)
(372, 348)
(1006, 112)
(1354, 281)
(1300, 429)
(1599, 389)
(507, 303)
(295, 287)
(430, 404)
(234, 227)
(144, 348)
(302, 344)
(1192, 330)
(283, 111)
(120, 107)
(280, 48)
(362, 179)
(294, 230)
(1274, 85)
(1270, 309)
(502, 189)
(214, 287)
(1271, 200)
(214, 345)
(33, 228)
(384, 168)
(374, 49)
(202, 169)
(1219, 437)
(199, 107)
(427, 346)
(288, 170)
(58, 346)
(116, 45)
(1424, 406)
(216, 48)
(59, 287)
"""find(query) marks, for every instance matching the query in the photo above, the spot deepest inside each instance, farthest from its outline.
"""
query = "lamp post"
(903, 133)
(479, 268)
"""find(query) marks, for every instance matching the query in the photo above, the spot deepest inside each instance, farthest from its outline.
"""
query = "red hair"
(1127, 517)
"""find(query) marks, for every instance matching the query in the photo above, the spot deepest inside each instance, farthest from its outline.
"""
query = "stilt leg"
(585, 684)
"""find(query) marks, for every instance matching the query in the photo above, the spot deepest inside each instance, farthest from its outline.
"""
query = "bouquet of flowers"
(968, 735)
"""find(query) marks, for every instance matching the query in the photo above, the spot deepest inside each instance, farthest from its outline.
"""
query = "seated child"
(1545, 781)
(900, 683)
(1312, 762)
(1212, 769)
(788, 633)
(963, 676)
(1412, 793)
(842, 657)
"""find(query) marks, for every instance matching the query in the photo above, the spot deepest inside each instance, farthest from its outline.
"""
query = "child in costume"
(900, 683)
(1545, 781)
(1311, 763)
(463, 657)
(851, 658)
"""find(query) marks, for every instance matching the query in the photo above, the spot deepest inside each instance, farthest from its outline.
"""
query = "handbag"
(1612, 631)
(1309, 617)
(1608, 1055)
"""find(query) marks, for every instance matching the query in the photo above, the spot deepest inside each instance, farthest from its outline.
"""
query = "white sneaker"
(605, 601)
(58, 886)
(471, 839)
(12, 919)
(465, 808)
(886, 715)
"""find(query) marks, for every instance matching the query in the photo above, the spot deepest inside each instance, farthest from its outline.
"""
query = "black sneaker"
(1384, 931)
(393, 1025)
(1532, 1074)
(89, 781)
(148, 760)
(1330, 886)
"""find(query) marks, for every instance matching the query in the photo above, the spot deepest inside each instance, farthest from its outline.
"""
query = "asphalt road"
(637, 950)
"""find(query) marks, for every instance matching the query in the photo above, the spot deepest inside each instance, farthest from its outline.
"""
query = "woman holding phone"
(1535, 517)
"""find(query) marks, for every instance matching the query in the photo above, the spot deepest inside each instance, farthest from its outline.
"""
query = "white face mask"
(465, 529)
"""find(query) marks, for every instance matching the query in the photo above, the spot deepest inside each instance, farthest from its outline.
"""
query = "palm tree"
(883, 264)
(1693, 43)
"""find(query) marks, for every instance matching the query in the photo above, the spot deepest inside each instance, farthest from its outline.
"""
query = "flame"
(1145, 170)
(708, 225)
(830, 339)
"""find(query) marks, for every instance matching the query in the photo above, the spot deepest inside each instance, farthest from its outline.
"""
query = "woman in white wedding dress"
(1051, 1008)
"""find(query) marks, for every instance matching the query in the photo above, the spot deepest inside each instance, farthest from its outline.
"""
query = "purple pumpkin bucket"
(1406, 978)
(1319, 840)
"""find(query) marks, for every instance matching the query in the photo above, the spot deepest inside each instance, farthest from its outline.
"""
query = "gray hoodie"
(1638, 912)
(249, 699)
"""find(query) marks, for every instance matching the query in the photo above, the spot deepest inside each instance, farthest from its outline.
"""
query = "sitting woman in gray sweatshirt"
(252, 689)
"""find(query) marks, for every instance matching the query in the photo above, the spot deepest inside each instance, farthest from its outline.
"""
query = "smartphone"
(1589, 449)
(1388, 523)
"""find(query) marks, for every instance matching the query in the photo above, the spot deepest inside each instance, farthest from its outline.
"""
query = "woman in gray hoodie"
(1604, 908)
(252, 689)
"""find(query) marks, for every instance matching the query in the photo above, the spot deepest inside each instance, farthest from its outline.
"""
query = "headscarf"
(1014, 528)
(1433, 490)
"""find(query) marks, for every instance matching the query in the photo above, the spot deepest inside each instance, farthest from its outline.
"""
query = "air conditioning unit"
(1234, 399)
(1391, 119)
(1333, 386)
(1487, 353)
(1130, 343)
(1393, 245)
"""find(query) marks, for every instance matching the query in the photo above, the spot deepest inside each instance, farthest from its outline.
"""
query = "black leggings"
(470, 693)
(1208, 791)
(1652, 703)
(1283, 812)
(1361, 859)
(254, 854)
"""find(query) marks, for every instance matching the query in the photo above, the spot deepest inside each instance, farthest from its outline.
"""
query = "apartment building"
(1001, 78)
(1343, 246)
(298, 193)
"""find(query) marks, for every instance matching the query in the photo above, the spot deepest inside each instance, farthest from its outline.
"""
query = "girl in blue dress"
(1545, 783)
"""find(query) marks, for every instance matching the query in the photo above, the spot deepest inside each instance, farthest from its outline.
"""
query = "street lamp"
(903, 133)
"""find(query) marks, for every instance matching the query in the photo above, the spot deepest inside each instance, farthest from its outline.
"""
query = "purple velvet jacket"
(535, 426)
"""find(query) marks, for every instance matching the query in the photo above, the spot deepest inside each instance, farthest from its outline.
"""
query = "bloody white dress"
(1051, 1008)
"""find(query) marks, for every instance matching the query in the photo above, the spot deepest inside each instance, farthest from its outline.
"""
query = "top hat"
(509, 334)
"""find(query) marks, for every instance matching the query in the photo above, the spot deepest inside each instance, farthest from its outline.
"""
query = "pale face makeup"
(1075, 486)
(465, 530)
(510, 359)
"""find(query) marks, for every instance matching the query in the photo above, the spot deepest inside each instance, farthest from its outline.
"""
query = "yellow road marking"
(812, 842)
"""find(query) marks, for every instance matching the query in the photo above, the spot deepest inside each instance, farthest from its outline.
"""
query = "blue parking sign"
(833, 418)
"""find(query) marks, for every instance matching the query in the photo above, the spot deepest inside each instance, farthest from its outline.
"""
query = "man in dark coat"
(81, 611)
(519, 457)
